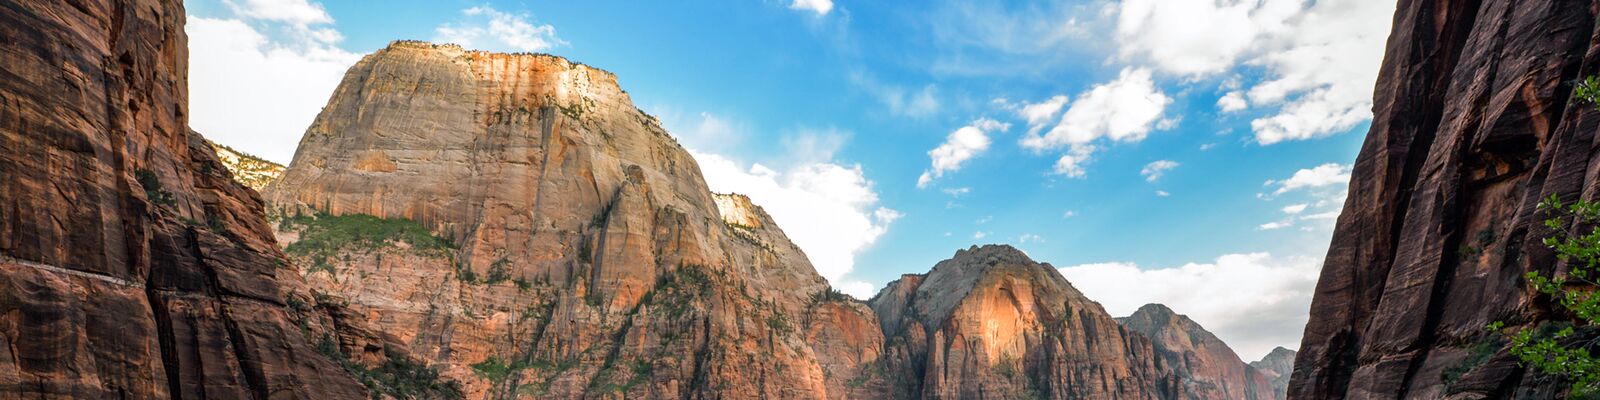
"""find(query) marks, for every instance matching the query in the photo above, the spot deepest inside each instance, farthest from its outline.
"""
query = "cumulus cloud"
(1123, 110)
(1254, 302)
(1295, 208)
(1232, 102)
(1322, 72)
(487, 28)
(1154, 170)
(1192, 37)
(1042, 113)
(1320, 59)
(962, 145)
(857, 289)
(1320, 176)
(257, 79)
(830, 210)
(821, 7)
(1029, 238)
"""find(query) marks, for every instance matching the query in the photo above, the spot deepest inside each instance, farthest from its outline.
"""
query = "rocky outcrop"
(991, 323)
(251, 171)
(131, 264)
(1474, 123)
(1277, 366)
(579, 252)
(1206, 368)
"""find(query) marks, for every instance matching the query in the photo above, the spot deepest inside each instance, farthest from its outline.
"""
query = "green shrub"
(1553, 348)
(152, 187)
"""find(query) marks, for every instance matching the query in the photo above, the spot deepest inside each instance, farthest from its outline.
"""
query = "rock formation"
(1277, 366)
(991, 323)
(1206, 368)
(131, 265)
(251, 171)
(579, 252)
(1474, 123)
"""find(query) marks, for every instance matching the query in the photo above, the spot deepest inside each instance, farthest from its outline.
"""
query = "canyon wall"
(1205, 366)
(582, 255)
(131, 264)
(1474, 123)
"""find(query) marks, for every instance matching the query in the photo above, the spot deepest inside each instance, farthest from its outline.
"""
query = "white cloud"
(1029, 238)
(831, 211)
(1323, 70)
(957, 192)
(1154, 170)
(1040, 114)
(1194, 37)
(821, 7)
(857, 289)
(255, 93)
(1123, 110)
(1275, 225)
(294, 12)
(1319, 176)
(1069, 214)
(487, 28)
(1162, 193)
(1323, 215)
(1319, 58)
(1295, 208)
(962, 145)
(1253, 302)
(979, 235)
(1232, 102)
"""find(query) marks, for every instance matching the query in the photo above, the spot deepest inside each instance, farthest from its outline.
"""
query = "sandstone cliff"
(1277, 366)
(251, 171)
(1206, 368)
(579, 252)
(991, 323)
(1474, 122)
(131, 265)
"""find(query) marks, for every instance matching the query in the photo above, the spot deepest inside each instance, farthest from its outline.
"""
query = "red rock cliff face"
(991, 323)
(593, 262)
(1206, 367)
(1474, 123)
(131, 265)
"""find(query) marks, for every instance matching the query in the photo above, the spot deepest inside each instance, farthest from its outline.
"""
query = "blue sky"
(1196, 157)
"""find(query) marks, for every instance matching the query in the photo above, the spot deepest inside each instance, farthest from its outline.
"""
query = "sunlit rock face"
(251, 171)
(587, 257)
(131, 264)
(992, 323)
(1205, 366)
(1474, 122)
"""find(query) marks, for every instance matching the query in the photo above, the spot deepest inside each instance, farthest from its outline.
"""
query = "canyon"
(465, 224)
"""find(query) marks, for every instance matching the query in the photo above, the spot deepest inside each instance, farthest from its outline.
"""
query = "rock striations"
(991, 323)
(462, 224)
(585, 256)
(131, 265)
(1474, 123)
(1277, 366)
(579, 254)
(1206, 368)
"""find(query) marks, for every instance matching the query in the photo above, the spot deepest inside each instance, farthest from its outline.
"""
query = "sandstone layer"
(1205, 366)
(1277, 366)
(991, 323)
(131, 264)
(586, 256)
(1474, 123)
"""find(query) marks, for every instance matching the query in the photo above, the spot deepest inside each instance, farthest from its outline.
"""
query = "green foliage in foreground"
(1553, 348)
(323, 235)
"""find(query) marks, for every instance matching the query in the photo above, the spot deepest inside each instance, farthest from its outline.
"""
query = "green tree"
(1554, 348)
